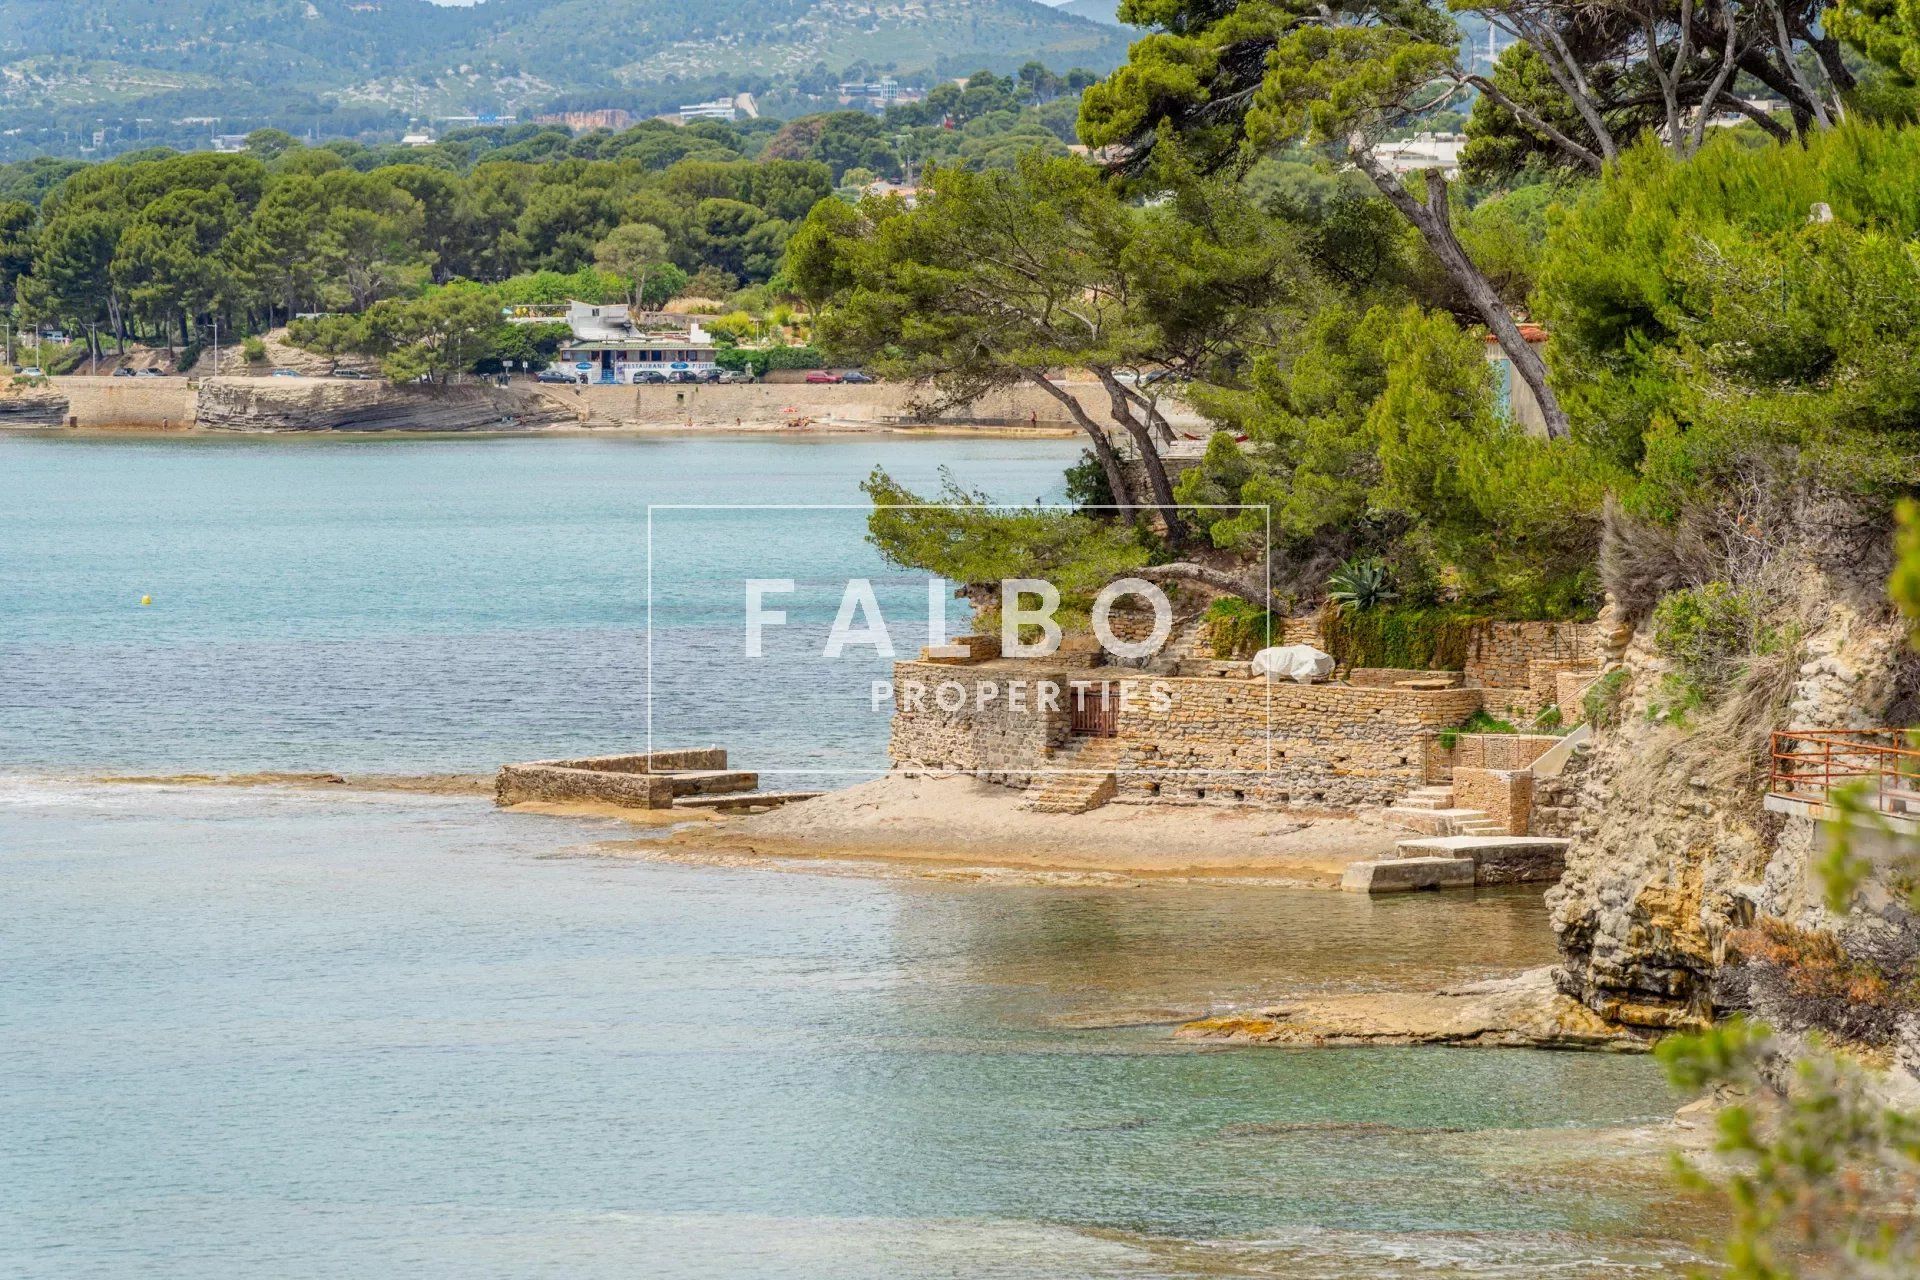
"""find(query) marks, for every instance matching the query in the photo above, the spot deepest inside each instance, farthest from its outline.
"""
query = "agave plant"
(1360, 584)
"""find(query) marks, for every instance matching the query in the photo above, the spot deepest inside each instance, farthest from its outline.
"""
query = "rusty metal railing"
(1880, 768)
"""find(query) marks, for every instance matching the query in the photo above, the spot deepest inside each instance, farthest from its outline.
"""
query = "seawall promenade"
(323, 404)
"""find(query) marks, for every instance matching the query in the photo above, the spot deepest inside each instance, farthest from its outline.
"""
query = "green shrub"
(742, 360)
(1711, 633)
(1549, 719)
(1478, 722)
(1361, 584)
(1423, 639)
(1601, 706)
(253, 349)
(795, 358)
(1239, 629)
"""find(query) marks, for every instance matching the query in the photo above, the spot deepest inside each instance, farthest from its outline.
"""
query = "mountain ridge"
(509, 54)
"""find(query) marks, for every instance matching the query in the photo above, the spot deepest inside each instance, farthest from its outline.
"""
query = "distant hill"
(505, 55)
(1104, 11)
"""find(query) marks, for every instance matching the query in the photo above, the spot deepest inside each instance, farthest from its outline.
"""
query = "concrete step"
(711, 782)
(1405, 875)
(1073, 794)
(1431, 793)
(1432, 822)
(745, 800)
(1497, 859)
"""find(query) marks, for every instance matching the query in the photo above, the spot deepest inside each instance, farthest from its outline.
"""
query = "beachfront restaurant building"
(609, 346)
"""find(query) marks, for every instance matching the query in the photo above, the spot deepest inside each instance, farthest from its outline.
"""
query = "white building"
(607, 346)
(726, 109)
(1424, 151)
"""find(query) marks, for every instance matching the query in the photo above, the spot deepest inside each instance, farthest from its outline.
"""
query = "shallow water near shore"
(294, 1032)
(325, 1034)
(422, 606)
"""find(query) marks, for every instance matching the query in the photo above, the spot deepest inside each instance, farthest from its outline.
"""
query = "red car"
(824, 375)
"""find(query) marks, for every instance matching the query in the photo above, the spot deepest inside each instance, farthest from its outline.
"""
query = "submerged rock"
(1523, 1012)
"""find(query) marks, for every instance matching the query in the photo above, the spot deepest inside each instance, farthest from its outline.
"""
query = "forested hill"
(506, 55)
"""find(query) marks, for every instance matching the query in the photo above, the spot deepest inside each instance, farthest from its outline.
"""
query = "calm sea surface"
(260, 1032)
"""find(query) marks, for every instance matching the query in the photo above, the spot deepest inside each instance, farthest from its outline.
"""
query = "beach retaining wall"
(630, 781)
(249, 403)
(1181, 739)
(851, 404)
(154, 404)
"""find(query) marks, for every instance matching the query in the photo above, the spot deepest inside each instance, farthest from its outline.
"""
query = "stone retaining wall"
(852, 404)
(145, 403)
(1183, 739)
(630, 781)
(1485, 751)
(980, 730)
(1504, 795)
(1500, 657)
(1388, 677)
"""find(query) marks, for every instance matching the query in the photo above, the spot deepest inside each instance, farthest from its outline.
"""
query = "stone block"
(1504, 795)
(1406, 875)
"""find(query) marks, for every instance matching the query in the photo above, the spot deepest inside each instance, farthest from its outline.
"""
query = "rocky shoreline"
(1525, 1011)
(244, 403)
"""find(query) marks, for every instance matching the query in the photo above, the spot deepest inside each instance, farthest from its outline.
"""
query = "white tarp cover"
(1301, 663)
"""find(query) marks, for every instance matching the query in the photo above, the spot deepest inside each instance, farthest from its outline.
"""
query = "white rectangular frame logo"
(1266, 765)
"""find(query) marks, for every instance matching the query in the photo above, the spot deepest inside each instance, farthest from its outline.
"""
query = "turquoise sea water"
(407, 605)
(259, 1032)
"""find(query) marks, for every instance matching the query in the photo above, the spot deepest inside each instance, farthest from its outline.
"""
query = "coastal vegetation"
(159, 246)
(1729, 307)
(1726, 301)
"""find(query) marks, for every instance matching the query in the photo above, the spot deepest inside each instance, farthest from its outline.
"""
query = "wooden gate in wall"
(1095, 711)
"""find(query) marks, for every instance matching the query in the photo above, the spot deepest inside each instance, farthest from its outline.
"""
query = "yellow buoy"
(146, 600)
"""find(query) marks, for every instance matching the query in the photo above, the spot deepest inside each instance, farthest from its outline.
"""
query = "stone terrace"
(1188, 739)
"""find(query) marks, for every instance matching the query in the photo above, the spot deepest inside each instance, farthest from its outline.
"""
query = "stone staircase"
(1080, 776)
(1430, 811)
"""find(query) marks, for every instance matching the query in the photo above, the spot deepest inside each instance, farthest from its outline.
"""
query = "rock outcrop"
(1674, 853)
(32, 407)
(1521, 1012)
(287, 404)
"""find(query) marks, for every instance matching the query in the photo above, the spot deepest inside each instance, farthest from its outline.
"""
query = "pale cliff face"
(1674, 852)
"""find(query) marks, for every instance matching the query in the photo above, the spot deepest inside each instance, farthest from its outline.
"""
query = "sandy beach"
(959, 820)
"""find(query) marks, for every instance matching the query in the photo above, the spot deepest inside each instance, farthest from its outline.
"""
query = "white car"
(33, 371)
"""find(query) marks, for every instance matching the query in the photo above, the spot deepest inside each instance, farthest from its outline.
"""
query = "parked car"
(355, 374)
(824, 375)
(288, 373)
(152, 373)
(555, 376)
(123, 372)
(33, 371)
(856, 376)
(649, 378)
(706, 375)
(734, 375)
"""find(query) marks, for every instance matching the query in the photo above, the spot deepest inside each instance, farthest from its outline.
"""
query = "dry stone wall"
(1189, 740)
(1501, 657)
(986, 720)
